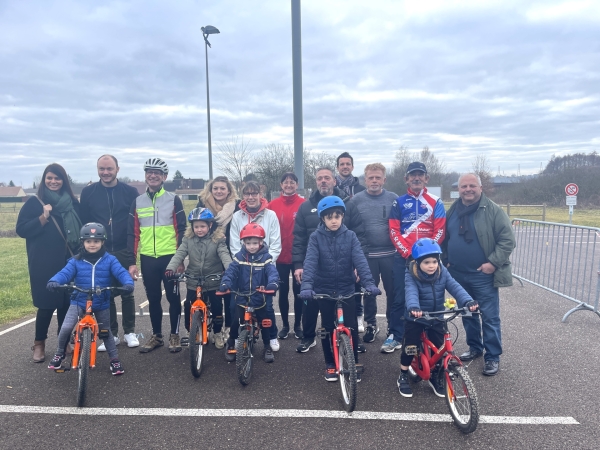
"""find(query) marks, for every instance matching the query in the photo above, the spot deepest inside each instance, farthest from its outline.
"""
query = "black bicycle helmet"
(92, 230)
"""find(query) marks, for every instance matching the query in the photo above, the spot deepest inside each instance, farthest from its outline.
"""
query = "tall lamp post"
(208, 29)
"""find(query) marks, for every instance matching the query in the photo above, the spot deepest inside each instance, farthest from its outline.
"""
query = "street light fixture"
(207, 30)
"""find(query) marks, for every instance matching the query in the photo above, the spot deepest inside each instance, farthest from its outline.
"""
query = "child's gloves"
(307, 294)
(223, 288)
(169, 274)
(472, 304)
(373, 290)
(414, 311)
(272, 287)
(52, 285)
(128, 288)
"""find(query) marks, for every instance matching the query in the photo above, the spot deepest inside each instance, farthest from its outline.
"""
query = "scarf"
(346, 184)
(464, 212)
(92, 258)
(63, 204)
(223, 214)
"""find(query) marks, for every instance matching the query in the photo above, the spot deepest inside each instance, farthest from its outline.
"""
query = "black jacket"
(307, 221)
(95, 207)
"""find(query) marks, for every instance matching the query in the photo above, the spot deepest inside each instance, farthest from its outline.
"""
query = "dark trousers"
(284, 271)
(127, 303)
(310, 314)
(483, 331)
(412, 336)
(328, 316)
(382, 270)
(238, 321)
(216, 308)
(153, 273)
(43, 319)
(396, 320)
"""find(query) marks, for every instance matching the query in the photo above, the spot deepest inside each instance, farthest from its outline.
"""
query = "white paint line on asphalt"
(291, 413)
(17, 326)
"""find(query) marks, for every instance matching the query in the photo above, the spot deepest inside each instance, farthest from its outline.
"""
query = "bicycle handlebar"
(93, 290)
(201, 280)
(260, 290)
(464, 311)
(339, 297)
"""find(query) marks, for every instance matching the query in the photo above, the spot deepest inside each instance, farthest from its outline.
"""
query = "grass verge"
(15, 292)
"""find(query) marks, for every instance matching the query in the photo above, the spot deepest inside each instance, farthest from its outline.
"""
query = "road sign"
(571, 189)
(454, 194)
(571, 200)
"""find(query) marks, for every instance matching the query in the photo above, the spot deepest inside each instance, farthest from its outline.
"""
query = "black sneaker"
(330, 373)
(436, 381)
(404, 385)
(370, 333)
(230, 351)
(56, 361)
(116, 368)
(360, 347)
(268, 355)
(306, 345)
(298, 334)
(283, 334)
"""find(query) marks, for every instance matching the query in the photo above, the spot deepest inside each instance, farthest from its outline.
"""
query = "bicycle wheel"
(243, 356)
(463, 405)
(84, 365)
(412, 375)
(195, 344)
(347, 366)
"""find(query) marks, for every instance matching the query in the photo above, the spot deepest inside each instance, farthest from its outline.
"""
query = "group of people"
(344, 236)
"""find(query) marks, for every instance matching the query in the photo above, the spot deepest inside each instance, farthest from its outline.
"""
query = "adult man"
(416, 214)
(157, 223)
(306, 223)
(108, 202)
(374, 205)
(477, 249)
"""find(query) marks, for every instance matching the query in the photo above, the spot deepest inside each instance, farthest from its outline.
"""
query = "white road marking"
(290, 413)
(17, 326)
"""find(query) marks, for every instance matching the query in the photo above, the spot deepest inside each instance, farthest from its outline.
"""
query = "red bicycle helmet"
(252, 230)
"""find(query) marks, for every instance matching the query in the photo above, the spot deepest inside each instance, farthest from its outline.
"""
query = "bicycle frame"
(339, 329)
(87, 321)
(199, 305)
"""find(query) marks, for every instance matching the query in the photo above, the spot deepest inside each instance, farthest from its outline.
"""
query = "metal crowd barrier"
(563, 259)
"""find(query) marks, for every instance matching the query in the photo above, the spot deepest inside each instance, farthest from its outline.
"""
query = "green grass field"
(15, 294)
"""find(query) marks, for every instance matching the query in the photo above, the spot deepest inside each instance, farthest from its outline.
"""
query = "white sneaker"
(102, 347)
(361, 324)
(219, 342)
(275, 345)
(225, 332)
(132, 340)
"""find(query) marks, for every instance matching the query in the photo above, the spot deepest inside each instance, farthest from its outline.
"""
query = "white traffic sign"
(571, 189)
(454, 194)
(571, 200)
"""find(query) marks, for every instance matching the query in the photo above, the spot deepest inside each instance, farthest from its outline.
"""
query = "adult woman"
(50, 225)
(220, 197)
(286, 207)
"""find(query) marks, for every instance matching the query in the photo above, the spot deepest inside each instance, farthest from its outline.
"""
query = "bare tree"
(272, 162)
(313, 161)
(481, 167)
(435, 167)
(235, 159)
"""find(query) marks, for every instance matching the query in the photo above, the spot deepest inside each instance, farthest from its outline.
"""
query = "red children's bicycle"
(459, 389)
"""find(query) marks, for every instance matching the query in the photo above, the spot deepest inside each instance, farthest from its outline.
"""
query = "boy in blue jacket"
(333, 254)
(252, 267)
(426, 282)
(92, 267)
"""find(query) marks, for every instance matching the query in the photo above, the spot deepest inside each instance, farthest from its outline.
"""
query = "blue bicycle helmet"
(203, 214)
(329, 202)
(426, 247)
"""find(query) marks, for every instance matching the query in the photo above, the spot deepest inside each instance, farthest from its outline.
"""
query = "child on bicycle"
(93, 266)
(251, 268)
(426, 282)
(205, 245)
(333, 254)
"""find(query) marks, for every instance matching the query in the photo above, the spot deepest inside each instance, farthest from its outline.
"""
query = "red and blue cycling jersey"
(415, 216)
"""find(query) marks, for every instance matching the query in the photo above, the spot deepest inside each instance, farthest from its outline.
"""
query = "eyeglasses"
(251, 194)
(154, 172)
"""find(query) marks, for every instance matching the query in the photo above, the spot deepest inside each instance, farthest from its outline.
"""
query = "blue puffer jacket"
(87, 275)
(330, 261)
(427, 292)
(248, 271)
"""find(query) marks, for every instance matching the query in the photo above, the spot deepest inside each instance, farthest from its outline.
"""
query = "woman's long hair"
(58, 170)
(208, 189)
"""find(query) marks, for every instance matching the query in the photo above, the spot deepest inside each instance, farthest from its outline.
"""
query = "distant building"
(12, 194)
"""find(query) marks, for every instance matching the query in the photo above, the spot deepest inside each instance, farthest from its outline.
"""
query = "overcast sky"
(517, 81)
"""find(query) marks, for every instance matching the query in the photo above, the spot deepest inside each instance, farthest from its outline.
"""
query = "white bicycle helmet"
(156, 164)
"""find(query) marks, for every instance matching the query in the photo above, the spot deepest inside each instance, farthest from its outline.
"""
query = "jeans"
(483, 331)
(127, 303)
(381, 269)
(396, 320)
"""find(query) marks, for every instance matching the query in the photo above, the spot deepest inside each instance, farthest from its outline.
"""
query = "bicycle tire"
(195, 345)
(347, 365)
(243, 357)
(464, 407)
(83, 366)
(412, 375)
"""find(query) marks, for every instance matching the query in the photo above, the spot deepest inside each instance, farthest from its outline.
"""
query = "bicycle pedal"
(360, 368)
(185, 341)
(322, 334)
(62, 370)
(411, 350)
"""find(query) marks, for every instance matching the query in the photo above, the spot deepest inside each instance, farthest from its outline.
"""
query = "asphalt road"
(548, 370)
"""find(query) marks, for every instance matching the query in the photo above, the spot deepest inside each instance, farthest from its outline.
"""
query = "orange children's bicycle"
(248, 336)
(200, 321)
(341, 343)
(86, 333)
(459, 389)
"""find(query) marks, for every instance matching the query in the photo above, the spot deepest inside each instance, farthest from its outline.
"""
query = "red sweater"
(286, 207)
